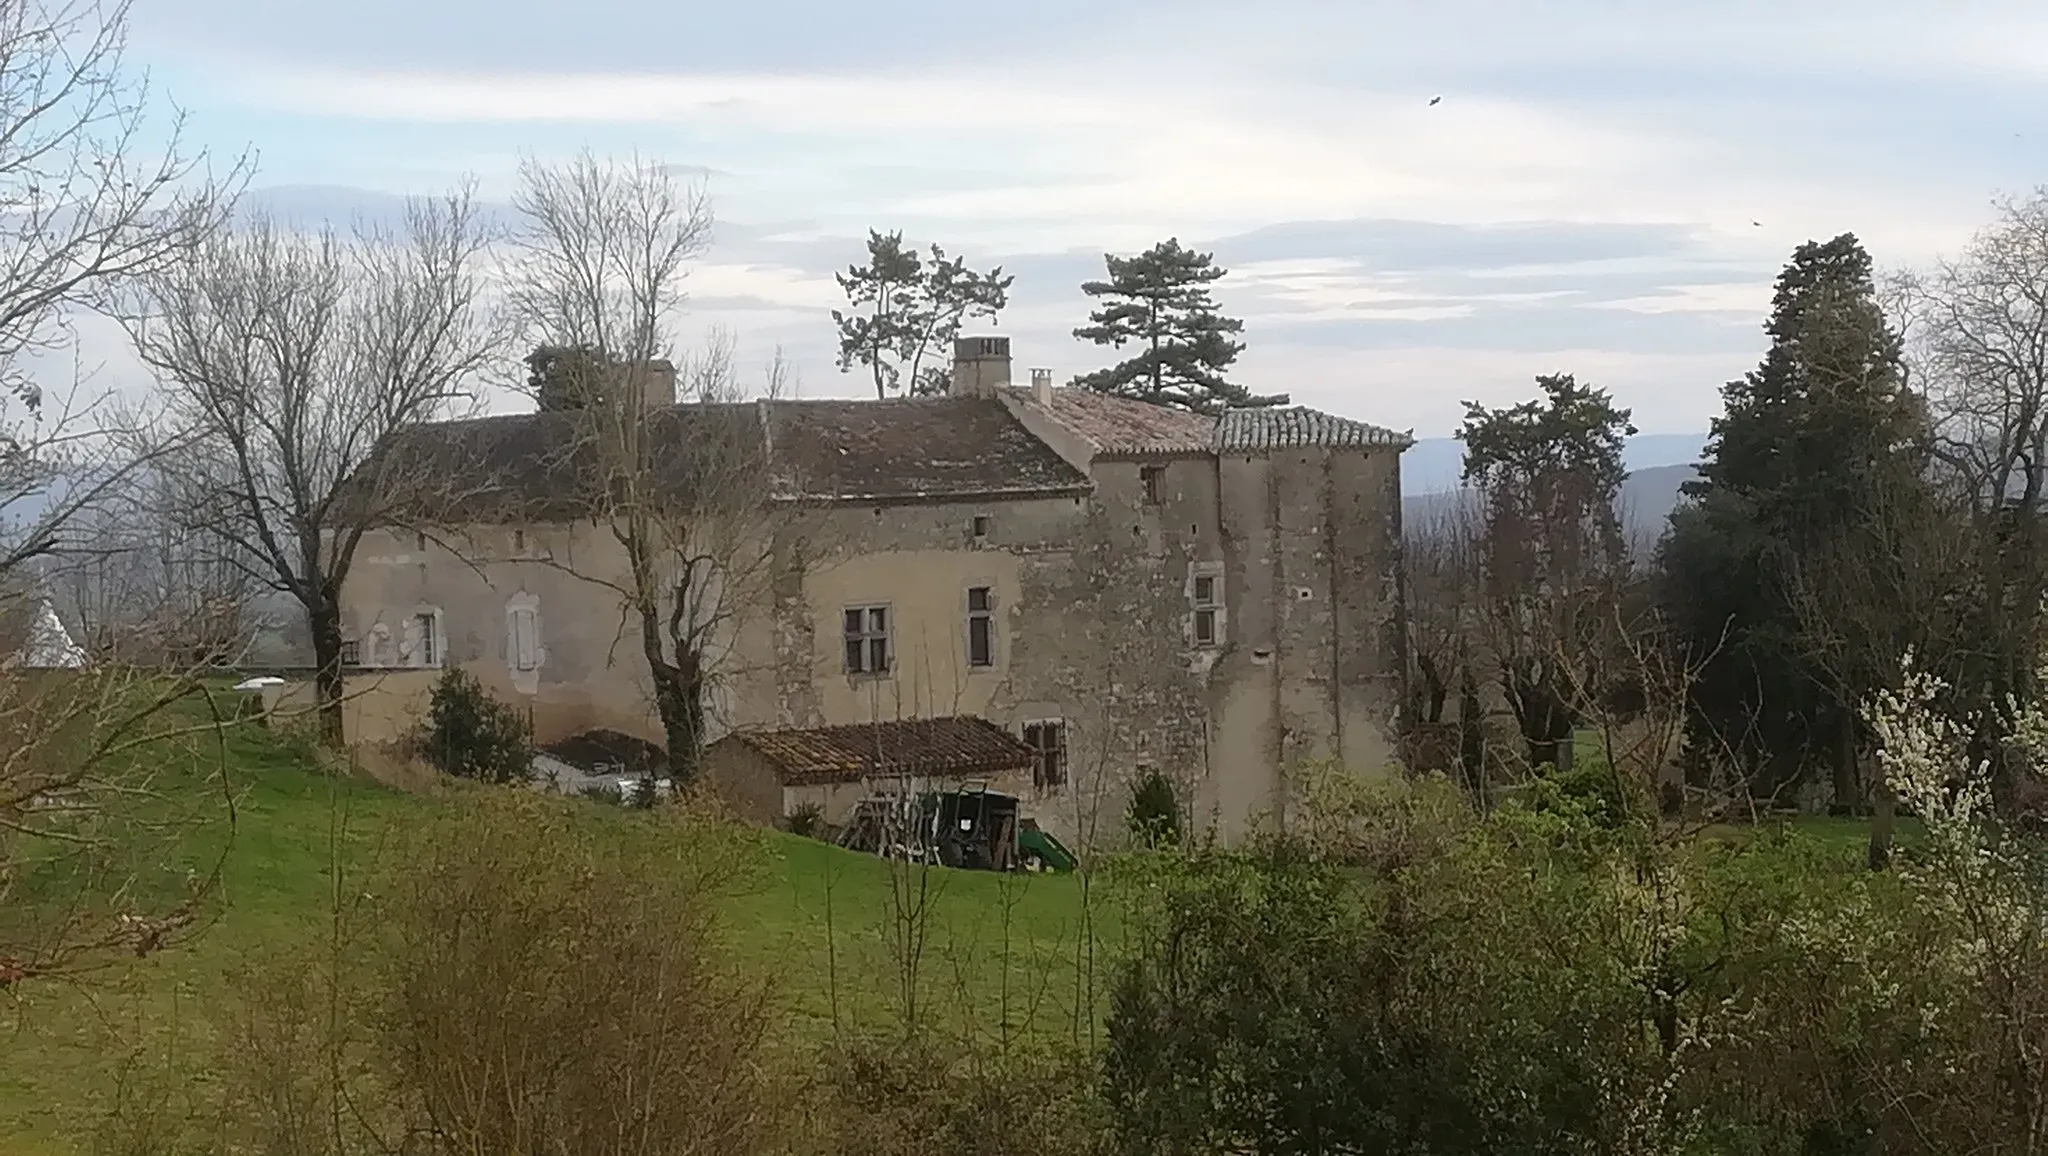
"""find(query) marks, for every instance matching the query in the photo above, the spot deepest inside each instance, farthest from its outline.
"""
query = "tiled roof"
(1120, 425)
(957, 747)
(540, 465)
(1299, 427)
(916, 447)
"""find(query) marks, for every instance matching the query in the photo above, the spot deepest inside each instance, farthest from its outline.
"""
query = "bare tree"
(1976, 346)
(92, 196)
(139, 584)
(289, 360)
(686, 490)
(130, 576)
(1444, 591)
(1440, 581)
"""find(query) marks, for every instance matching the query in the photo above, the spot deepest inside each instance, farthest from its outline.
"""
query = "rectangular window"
(1207, 603)
(419, 540)
(525, 639)
(1149, 476)
(980, 526)
(351, 653)
(867, 640)
(981, 627)
(427, 653)
(519, 541)
(1048, 742)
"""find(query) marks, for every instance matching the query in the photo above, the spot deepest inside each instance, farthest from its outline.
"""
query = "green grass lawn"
(1022, 954)
(1001, 951)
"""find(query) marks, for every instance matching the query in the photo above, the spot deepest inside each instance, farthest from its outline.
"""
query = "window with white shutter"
(525, 638)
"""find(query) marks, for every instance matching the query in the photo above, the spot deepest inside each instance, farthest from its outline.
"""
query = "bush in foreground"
(471, 735)
(529, 981)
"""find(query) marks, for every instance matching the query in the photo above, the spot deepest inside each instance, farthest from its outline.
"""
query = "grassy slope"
(1008, 942)
(814, 919)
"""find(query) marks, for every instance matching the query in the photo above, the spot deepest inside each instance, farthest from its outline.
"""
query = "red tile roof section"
(956, 747)
(1119, 425)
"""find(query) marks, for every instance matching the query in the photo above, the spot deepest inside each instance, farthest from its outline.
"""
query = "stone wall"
(1094, 612)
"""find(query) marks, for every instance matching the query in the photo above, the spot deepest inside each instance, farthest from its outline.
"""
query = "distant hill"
(1647, 498)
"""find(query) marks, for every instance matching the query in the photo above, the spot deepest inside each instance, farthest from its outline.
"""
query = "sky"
(1606, 187)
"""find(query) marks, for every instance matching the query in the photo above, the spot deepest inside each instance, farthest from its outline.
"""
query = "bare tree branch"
(290, 360)
(688, 491)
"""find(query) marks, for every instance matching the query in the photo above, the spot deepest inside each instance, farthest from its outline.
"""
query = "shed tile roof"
(956, 747)
(538, 465)
(1121, 425)
(1299, 427)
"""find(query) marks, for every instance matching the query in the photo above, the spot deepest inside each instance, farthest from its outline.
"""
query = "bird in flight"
(1758, 224)
(1435, 100)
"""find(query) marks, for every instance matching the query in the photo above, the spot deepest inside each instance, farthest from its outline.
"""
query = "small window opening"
(1206, 605)
(981, 627)
(867, 639)
(1148, 477)
(428, 653)
(1048, 743)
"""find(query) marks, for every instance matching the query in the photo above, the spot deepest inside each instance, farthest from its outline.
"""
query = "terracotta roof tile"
(1120, 425)
(1298, 427)
(956, 747)
(916, 447)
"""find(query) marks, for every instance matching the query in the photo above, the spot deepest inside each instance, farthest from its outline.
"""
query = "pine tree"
(1160, 300)
(906, 311)
(564, 377)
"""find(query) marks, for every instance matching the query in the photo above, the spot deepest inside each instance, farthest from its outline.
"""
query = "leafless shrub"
(523, 980)
(901, 1100)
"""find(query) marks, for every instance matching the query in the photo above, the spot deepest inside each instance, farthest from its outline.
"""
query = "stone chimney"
(981, 366)
(1041, 387)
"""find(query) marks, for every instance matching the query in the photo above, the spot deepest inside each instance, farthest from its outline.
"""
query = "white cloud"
(1732, 300)
(1124, 162)
(1211, 160)
(1198, 120)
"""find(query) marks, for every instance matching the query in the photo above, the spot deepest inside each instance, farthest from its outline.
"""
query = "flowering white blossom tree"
(1982, 882)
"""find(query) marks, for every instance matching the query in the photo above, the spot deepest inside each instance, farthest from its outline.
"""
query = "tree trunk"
(679, 698)
(1882, 824)
(1848, 784)
(1435, 693)
(1472, 738)
(324, 616)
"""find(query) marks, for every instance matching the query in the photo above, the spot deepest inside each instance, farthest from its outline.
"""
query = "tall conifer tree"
(1159, 300)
